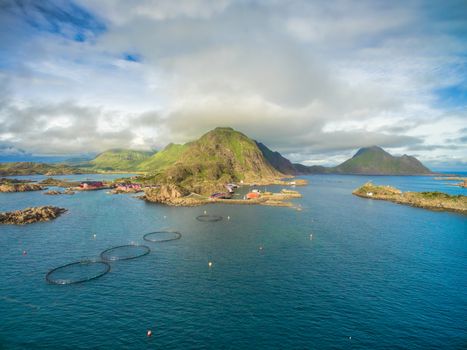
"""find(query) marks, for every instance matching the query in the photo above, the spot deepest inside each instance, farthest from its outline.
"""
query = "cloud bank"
(313, 80)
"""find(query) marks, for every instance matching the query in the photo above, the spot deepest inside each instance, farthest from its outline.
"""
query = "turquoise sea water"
(376, 275)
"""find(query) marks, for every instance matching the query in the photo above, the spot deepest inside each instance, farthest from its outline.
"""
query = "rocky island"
(429, 200)
(20, 187)
(50, 181)
(31, 215)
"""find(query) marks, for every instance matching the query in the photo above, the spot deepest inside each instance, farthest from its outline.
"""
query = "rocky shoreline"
(429, 200)
(31, 215)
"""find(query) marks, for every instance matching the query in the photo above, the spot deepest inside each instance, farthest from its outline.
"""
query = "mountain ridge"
(231, 155)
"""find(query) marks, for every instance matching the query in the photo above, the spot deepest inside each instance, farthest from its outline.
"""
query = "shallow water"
(374, 275)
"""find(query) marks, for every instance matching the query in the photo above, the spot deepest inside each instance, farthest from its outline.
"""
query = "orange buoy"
(149, 333)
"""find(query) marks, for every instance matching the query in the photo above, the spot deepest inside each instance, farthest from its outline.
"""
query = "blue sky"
(313, 80)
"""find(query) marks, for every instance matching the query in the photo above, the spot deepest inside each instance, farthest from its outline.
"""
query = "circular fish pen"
(162, 236)
(125, 252)
(209, 218)
(77, 272)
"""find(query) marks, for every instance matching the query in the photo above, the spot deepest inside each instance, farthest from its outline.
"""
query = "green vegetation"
(161, 160)
(120, 159)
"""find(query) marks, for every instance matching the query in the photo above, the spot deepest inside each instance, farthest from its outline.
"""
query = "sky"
(314, 80)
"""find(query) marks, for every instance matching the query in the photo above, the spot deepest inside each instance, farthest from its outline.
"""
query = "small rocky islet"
(31, 215)
(20, 187)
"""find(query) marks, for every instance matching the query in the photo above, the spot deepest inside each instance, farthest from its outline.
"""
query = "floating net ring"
(162, 236)
(209, 218)
(125, 252)
(77, 272)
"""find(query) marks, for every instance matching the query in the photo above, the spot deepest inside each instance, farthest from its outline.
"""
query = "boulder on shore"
(31, 215)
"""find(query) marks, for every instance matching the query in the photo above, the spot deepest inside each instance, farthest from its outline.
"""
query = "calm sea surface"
(375, 275)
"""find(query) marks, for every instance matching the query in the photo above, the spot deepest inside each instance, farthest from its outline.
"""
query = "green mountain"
(376, 161)
(119, 159)
(220, 156)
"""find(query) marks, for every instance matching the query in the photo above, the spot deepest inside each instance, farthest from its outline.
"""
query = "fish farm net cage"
(209, 218)
(77, 272)
(125, 252)
(162, 236)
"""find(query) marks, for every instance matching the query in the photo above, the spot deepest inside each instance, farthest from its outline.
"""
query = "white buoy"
(94, 236)
(311, 236)
(149, 333)
(210, 264)
(260, 247)
(205, 212)
(228, 217)
(165, 217)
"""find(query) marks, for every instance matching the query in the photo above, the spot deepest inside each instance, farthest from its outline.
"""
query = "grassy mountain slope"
(374, 160)
(220, 156)
(161, 160)
(119, 159)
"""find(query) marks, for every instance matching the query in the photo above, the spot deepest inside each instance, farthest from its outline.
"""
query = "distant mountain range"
(222, 141)
(224, 155)
(367, 161)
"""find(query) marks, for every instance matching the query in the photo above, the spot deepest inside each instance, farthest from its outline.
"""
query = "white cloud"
(309, 79)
